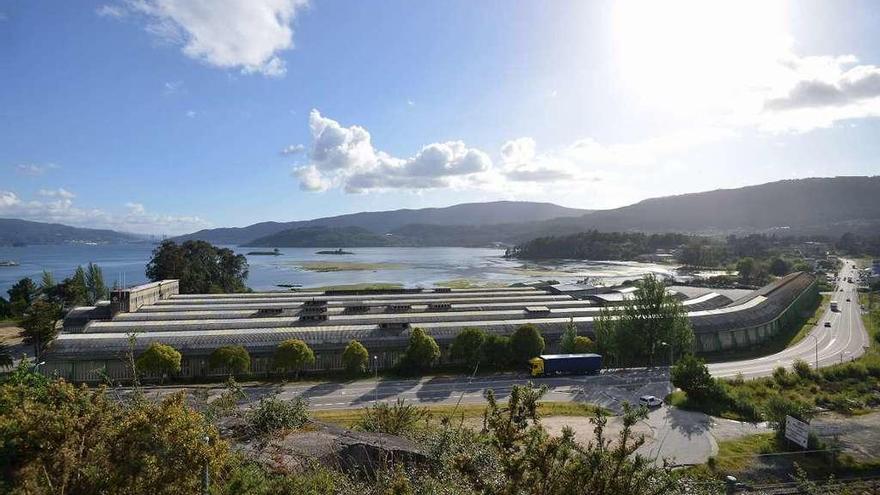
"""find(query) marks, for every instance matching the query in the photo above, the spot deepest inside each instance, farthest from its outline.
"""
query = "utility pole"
(816, 339)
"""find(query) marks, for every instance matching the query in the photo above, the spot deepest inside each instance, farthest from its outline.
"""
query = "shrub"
(232, 358)
(692, 376)
(583, 345)
(844, 371)
(396, 419)
(159, 358)
(467, 346)
(496, 351)
(293, 354)
(273, 414)
(778, 407)
(783, 378)
(803, 370)
(355, 358)
(421, 354)
(526, 343)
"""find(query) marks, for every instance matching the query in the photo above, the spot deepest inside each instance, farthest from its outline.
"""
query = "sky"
(169, 116)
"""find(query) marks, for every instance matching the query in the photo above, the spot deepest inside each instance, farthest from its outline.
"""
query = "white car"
(650, 401)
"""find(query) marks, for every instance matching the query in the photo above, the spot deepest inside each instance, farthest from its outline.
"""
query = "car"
(650, 401)
(847, 299)
(828, 324)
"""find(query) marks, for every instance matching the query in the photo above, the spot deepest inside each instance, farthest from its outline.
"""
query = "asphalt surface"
(845, 340)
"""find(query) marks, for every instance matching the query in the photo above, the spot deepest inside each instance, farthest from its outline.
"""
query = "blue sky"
(166, 116)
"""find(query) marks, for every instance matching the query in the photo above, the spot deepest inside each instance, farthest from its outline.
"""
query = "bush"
(396, 419)
(159, 358)
(526, 343)
(692, 376)
(467, 346)
(421, 354)
(293, 354)
(855, 370)
(783, 378)
(583, 345)
(496, 351)
(778, 407)
(803, 370)
(355, 358)
(232, 358)
(274, 414)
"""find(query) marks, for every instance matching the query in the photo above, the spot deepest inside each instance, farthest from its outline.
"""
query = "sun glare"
(694, 54)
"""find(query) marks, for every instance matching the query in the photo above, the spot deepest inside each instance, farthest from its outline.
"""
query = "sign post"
(797, 431)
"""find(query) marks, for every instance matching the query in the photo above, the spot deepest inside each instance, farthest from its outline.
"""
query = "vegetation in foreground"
(848, 388)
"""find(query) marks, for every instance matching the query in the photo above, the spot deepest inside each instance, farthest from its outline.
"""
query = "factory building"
(96, 341)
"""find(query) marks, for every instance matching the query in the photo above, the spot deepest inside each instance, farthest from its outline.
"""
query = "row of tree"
(595, 245)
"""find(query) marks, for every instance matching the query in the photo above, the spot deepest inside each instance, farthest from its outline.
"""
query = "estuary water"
(409, 267)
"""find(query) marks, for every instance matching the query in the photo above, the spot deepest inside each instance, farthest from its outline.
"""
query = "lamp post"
(816, 339)
(376, 375)
(670, 352)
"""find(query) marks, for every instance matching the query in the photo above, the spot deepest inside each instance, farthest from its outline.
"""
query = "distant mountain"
(815, 205)
(382, 222)
(15, 231)
(325, 237)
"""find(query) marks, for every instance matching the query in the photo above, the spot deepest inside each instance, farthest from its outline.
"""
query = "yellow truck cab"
(537, 366)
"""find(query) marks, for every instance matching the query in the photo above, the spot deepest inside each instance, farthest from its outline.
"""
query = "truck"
(556, 364)
(834, 306)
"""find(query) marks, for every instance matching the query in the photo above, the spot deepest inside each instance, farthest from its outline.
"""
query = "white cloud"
(57, 206)
(247, 35)
(172, 87)
(191, 114)
(33, 169)
(345, 157)
(293, 149)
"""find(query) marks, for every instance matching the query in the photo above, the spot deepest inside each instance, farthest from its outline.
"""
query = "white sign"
(797, 431)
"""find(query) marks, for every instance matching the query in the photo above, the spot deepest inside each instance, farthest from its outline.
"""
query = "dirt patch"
(858, 436)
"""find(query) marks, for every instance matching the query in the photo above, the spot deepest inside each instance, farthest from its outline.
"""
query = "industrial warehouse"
(96, 341)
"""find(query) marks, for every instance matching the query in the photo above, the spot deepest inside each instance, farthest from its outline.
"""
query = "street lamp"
(376, 374)
(816, 339)
(670, 352)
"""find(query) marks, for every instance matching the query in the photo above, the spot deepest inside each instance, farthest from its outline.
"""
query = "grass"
(345, 266)
(811, 322)
(364, 286)
(348, 417)
(465, 283)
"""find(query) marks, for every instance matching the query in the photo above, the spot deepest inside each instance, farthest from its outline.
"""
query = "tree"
(526, 343)
(5, 309)
(40, 325)
(5, 355)
(293, 354)
(467, 346)
(355, 358)
(566, 343)
(421, 354)
(692, 376)
(199, 266)
(74, 290)
(745, 268)
(495, 351)
(779, 267)
(161, 359)
(583, 345)
(96, 290)
(21, 295)
(232, 358)
(779, 406)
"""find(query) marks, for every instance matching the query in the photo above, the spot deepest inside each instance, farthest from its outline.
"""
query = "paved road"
(845, 340)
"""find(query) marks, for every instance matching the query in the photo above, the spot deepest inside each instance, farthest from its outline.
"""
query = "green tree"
(583, 345)
(74, 290)
(526, 343)
(467, 346)
(5, 355)
(745, 267)
(293, 354)
(779, 267)
(199, 266)
(161, 359)
(96, 289)
(355, 358)
(59, 438)
(566, 343)
(5, 309)
(40, 325)
(21, 296)
(692, 376)
(232, 358)
(421, 354)
(779, 406)
(605, 328)
(495, 351)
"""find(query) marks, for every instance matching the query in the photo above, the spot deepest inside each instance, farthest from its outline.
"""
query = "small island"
(334, 251)
(275, 252)
(8, 263)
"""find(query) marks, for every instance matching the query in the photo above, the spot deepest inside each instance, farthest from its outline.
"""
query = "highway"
(844, 340)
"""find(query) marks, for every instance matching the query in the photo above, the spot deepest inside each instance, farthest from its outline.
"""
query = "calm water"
(408, 266)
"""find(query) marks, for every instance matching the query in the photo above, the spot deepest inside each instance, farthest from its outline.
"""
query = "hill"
(382, 222)
(325, 237)
(15, 231)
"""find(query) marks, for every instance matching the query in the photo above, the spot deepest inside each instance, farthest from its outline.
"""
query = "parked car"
(650, 401)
